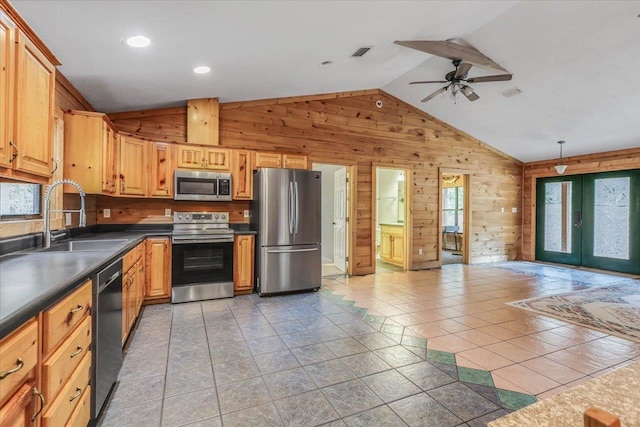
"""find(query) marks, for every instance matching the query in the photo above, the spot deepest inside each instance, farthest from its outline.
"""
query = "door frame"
(350, 233)
(466, 212)
(408, 212)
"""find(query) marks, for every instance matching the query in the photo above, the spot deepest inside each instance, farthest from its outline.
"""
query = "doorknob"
(578, 217)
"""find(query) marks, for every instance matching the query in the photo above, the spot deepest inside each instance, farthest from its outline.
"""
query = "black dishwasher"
(107, 334)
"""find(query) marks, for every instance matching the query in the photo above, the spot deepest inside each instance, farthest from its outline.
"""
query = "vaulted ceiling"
(574, 62)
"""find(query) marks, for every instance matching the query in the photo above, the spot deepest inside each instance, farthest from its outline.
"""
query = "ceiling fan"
(457, 78)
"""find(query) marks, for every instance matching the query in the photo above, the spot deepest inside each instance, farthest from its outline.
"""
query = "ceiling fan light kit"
(561, 168)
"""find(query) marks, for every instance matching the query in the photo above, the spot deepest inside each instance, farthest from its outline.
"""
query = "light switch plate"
(246, 213)
(420, 251)
(514, 210)
(501, 210)
(167, 212)
(107, 213)
(67, 218)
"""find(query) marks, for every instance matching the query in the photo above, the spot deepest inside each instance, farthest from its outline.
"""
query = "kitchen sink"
(85, 245)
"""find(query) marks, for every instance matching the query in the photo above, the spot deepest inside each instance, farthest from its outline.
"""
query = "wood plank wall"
(349, 129)
(577, 165)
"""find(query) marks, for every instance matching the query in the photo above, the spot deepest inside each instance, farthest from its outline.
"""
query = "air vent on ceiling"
(360, 52)
(511, 92)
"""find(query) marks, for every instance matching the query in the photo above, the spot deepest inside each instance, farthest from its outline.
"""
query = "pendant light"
(560, 168)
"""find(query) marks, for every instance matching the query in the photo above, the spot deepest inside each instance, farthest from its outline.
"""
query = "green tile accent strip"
(414, 341)
(514, 400)
(346, 302)
(441, 357)
(360, 311)
(475, 376)
(373, 318)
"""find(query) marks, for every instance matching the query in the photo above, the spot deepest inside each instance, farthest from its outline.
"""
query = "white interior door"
(339, 219)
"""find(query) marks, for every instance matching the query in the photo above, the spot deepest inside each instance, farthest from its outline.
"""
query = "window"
(19, 200)
(452, 206)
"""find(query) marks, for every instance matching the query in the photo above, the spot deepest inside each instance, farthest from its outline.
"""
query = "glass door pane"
(558, 226)
(611, 235)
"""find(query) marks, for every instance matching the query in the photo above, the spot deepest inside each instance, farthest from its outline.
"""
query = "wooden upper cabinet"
(161, 163)
(216, 158)
(90, 152)
(268, 160)
(133, 164)
(35, 83)
(7, 59)
(294, 161)
(197, 157)
(242, 174)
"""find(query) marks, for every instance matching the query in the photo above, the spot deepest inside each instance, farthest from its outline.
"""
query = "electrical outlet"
(420, 251)
(106, 213)
(67, 218)
(502, 210)
(514, 210)
(246, 213)
(167, 212)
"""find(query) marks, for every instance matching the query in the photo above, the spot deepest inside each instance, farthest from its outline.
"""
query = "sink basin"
(85, 245)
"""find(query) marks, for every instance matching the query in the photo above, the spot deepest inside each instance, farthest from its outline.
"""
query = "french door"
(590, 220)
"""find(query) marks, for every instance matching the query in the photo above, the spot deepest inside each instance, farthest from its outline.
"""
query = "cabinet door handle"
(42, 403)
(19, 365)
(76, 394)
(55, 168)
(15, 152)
(77, 309)
(77, 352)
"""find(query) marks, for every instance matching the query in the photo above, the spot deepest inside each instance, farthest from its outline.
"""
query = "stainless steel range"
(202, 261)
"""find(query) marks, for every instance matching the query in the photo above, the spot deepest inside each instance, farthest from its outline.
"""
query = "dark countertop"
(30, 281)
(245, 232)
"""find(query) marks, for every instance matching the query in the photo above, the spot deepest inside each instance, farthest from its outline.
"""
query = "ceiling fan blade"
(462, 70)
(452, 50)
(434, 94)
(498, 78)
(429, 81)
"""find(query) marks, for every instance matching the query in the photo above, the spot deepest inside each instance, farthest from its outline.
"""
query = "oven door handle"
(290, 251)
(201, 240)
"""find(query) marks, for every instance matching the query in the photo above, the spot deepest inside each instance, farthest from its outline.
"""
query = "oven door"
(201, 262)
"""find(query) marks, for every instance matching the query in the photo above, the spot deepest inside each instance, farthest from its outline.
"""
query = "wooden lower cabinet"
(243, 255)
(158, 269)
(133, 288)
(60, 409)
(392, 244)
(17, 412)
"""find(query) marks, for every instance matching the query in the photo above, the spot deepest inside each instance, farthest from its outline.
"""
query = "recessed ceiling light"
(325, 64)
(203, 69)
(138, 41)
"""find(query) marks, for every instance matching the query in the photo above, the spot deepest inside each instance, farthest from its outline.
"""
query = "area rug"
(613, 309)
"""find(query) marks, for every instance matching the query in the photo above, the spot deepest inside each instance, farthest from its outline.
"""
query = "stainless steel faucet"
(47, 203)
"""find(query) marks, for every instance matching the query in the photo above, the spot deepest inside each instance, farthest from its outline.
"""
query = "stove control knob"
(179, 216)
(217, 216)
(224, 217)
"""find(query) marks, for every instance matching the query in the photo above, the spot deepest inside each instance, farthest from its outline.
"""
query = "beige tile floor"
(461, 309)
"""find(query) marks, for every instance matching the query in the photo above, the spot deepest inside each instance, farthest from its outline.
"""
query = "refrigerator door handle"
(295, 186)
(290, 251)
(291, 209)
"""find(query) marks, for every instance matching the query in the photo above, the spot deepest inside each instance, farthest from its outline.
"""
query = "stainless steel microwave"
(202, 186)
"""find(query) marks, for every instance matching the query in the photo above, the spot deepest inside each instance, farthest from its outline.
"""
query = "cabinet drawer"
(81, 415)
(59, 411)
(65, 316)
(65, 359)
(18, 356)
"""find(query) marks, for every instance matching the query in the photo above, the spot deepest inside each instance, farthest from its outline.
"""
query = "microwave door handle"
(295, 186)
(291, 202)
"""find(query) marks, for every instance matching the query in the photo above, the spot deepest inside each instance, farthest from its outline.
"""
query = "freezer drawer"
(289, 268)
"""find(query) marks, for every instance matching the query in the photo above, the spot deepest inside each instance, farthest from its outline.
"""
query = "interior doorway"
(452, 211)
(335, 219)
(390, 195)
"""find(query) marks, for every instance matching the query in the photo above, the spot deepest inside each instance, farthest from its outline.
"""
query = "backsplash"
(154, 211)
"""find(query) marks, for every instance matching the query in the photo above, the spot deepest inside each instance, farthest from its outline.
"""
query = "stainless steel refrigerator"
(285, 212)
